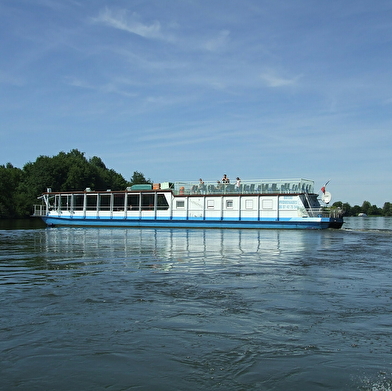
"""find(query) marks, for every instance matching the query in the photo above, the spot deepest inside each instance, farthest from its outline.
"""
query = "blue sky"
(182, 89)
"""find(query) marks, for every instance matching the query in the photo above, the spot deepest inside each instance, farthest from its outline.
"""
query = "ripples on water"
(131, 309)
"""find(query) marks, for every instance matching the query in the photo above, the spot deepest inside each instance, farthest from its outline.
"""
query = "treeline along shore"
(72, 171)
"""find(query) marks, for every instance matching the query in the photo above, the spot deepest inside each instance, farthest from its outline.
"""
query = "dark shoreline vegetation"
(72, 171)
(64, 172)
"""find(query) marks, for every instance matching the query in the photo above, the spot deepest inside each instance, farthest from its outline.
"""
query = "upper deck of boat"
(258, 186)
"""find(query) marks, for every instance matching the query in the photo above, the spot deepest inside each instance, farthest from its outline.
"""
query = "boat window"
(210, 204)
(162, 203)
(65, 202)
(248, 204)
(148, 201)
(118, 201)
(229, 204)
(133, 201)
(78, 201)
(104, 201)
(180, 204)
(267, 204)
(91, 201)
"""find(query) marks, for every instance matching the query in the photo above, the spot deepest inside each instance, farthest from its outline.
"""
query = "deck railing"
(281, 186)
(39, 210)
(325, 212)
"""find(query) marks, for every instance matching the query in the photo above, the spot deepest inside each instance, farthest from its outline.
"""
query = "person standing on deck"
(201, 186)
(238, 184)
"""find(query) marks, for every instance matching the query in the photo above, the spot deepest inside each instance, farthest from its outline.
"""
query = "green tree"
(347, 209)
(63, 172)
(355, 210)
(10, 178)
(366, 205)
(387, 209)
(69, 172)
(374, 210)
(138, 178)
(105, 178)
(114, 181)
(338, 204)
(97, 162)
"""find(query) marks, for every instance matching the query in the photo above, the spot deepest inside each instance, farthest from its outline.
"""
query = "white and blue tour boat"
(251, 204)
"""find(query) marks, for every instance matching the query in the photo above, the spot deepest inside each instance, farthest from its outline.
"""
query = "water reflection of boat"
(254, 204)
(162, 248)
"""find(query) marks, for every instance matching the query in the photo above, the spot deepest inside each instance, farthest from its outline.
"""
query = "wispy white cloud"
(272, 79)
(219, 42)
(122, 19)
(111, 87)
(147, 63)
(75, 82)
(132, 22)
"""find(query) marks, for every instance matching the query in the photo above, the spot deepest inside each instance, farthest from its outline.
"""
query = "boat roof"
(258, 186)
(255, 186)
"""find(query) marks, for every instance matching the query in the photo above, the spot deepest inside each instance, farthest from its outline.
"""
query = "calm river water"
(162, 309)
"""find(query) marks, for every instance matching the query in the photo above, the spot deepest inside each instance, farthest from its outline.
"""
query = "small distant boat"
(253, 204)
(362, 215)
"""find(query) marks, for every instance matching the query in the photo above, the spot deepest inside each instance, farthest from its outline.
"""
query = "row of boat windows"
(229, 204)
(116, 202)
(143, 201)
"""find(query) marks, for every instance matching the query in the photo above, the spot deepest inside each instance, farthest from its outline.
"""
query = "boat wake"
(382, 383)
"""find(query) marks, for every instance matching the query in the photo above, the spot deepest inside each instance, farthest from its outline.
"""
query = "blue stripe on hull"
(94, 222)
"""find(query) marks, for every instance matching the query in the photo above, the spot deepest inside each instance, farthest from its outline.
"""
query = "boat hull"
(336, 223)
(304, 223)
